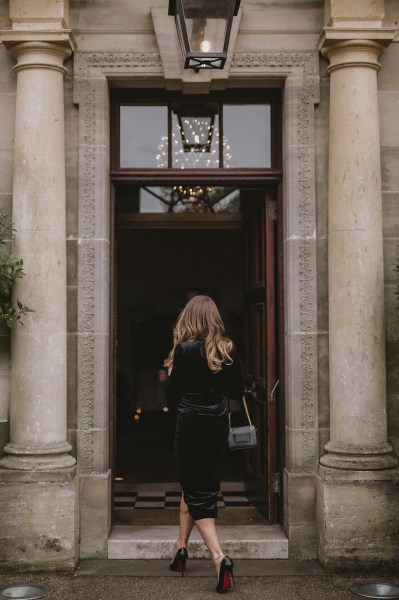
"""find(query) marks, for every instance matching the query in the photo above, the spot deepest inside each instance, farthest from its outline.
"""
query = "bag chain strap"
(246, 412)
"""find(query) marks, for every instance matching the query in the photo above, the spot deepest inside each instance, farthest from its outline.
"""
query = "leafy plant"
(11, 269)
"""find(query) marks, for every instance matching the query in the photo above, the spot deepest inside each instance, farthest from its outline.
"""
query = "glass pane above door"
(247, 135)
(191, 133)
(178, 199)
(143, 136)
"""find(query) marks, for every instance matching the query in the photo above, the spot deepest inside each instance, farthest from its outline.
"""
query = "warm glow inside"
(205, 46)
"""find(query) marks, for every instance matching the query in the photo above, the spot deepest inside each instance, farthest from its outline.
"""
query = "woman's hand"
(162, 376)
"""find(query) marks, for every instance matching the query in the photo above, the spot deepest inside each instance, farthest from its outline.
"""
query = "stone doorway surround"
(297, 73)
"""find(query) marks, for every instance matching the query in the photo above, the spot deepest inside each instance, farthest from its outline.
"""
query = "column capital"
(354, 47)
(366, 44)
(57, 39)
(39, 54)
(41, 22)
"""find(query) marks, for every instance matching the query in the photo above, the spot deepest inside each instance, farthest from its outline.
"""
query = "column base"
(358, 517)
(44, 457)
(367, 458)
(39, 520)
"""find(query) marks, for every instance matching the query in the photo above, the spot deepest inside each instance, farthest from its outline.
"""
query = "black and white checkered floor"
(171, 499)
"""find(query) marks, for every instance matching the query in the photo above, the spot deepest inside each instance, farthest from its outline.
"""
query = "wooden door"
(259, 214)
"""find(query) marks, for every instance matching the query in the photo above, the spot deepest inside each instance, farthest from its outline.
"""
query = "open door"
(260, 356)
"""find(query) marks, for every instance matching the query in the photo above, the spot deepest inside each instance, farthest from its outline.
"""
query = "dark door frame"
(270, 178)
(274, 187)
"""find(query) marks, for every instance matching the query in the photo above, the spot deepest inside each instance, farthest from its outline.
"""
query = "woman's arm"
(235, 377)
(174, 383)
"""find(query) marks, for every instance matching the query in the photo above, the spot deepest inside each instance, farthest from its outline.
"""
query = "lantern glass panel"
(206, 22)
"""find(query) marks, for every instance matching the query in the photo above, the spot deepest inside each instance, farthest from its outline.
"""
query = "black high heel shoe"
(179, 561)
(226, 577)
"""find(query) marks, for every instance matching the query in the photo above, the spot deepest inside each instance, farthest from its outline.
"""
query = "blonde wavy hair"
(201, 320)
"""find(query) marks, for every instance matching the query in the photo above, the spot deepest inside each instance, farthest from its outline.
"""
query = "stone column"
(357, 501)
(358, 421)
(38, 387)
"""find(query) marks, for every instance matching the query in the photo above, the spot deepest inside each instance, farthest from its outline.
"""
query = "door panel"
(260, 344)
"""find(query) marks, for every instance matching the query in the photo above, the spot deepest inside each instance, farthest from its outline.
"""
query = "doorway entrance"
(225, 250)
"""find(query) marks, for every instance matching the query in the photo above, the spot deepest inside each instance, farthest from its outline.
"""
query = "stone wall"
(321, 162)
(121, 50)
(7, 119)
(39, 520)
(72, 200)
(388, 85)
(279, 38)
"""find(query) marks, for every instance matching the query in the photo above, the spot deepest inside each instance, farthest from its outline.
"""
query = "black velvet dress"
(202, 423)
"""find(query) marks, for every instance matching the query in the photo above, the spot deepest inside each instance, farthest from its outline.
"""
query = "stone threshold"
(198, 568)
(157, 542)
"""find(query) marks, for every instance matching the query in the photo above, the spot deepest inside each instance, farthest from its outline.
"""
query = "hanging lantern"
(204, 28)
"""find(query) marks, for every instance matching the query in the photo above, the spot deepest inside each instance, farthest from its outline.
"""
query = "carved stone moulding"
(303, 68)
(100, 63)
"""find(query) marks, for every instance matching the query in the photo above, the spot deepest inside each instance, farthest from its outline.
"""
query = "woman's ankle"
(218, 558)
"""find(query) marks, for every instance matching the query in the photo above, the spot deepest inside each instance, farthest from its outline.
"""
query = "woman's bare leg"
(207, 529)
(186, 525)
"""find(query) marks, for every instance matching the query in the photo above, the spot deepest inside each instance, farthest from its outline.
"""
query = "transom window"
(178, 199)
(194, 133)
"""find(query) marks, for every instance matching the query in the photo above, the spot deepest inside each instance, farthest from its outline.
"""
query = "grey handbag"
(244, 437)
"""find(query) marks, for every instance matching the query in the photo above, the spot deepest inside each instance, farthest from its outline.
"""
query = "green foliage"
(11, 269)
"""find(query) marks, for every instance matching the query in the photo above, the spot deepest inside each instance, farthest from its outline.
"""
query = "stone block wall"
(123, 26)
(39, 519)
(356, 534)
(388, 85)
(321, 184)
(7, 119)
(72, 173)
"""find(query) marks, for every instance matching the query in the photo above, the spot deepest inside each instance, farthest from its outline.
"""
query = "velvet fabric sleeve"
(174, 383)
(235, 378)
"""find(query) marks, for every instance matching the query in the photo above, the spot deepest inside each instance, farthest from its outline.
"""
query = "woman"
(203, 370)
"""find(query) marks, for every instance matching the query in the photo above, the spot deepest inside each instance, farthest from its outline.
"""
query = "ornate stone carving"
(304, 65)
(86, 275)
(85, 452)
(106, 61)
(274, 59)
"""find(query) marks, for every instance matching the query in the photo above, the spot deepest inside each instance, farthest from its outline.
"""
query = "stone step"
(157, 542)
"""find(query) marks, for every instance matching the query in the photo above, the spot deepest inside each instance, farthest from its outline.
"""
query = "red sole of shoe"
(226, 582)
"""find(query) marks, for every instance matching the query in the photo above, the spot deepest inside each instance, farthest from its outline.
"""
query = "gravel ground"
(324, 587)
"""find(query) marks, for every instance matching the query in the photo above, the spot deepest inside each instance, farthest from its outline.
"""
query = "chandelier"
(196, 198)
